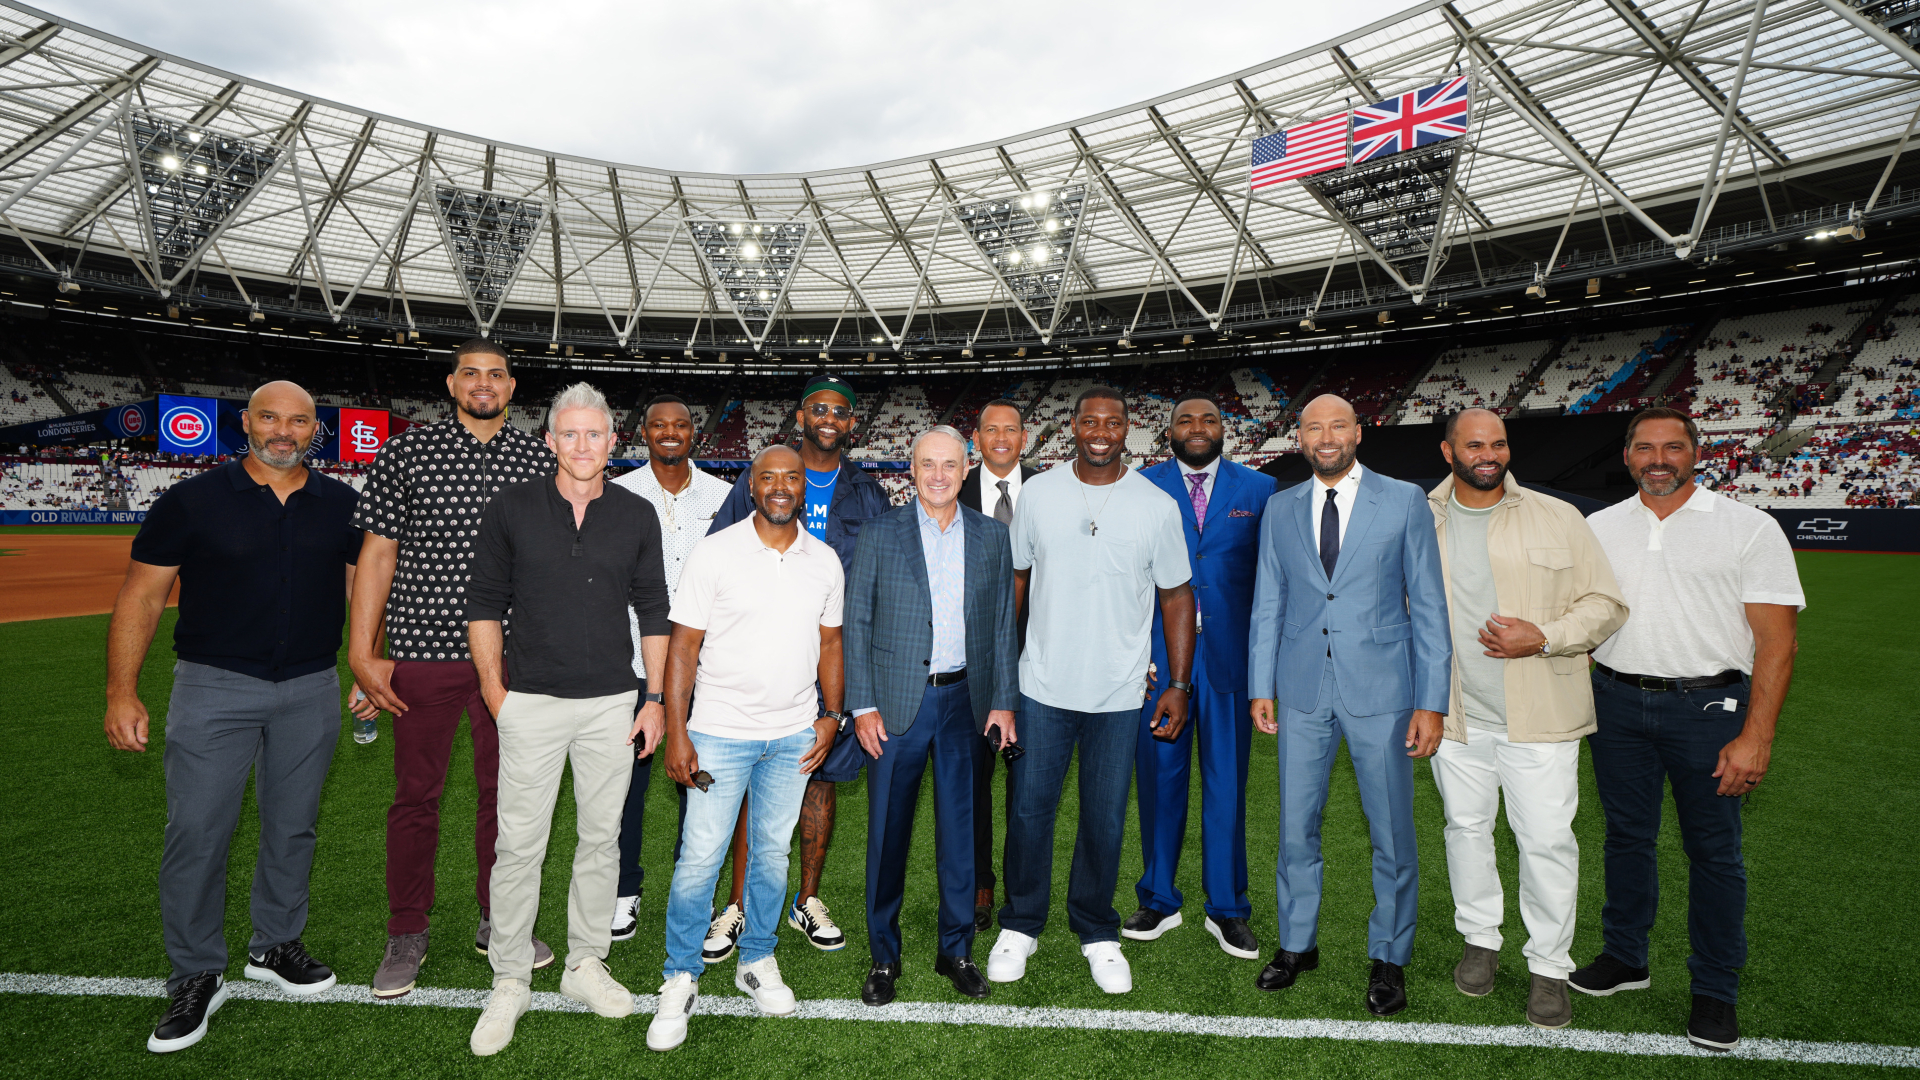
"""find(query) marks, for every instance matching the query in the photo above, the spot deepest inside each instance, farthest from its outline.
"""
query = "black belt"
(1655, 682)
(947, 678)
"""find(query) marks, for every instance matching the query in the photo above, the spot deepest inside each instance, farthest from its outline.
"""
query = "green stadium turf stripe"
(1638, 1044)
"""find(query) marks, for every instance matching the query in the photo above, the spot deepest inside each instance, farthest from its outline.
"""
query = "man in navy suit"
(1221, 504)
(931, 670)
(1349, 640)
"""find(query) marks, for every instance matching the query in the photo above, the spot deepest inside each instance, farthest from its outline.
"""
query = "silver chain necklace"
(1093, 519)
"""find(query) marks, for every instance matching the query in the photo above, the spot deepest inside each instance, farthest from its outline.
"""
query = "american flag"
(1414, 119)
(1298, 151)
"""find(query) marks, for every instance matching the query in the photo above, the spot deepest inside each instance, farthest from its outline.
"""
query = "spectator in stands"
(573, 558)
(1688, 693)
(422, 505)
(1376, 675)
(756, 630)
(931, 658)
(1521, 703)
(685, 499)
(1221, 506)
(841, 497)
(263, 549)
(994, 490)
(1107, 547)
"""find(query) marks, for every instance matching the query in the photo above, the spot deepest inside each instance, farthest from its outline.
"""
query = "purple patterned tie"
(1199, 481)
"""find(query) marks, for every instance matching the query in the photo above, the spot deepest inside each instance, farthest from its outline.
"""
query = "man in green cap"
(841, 497)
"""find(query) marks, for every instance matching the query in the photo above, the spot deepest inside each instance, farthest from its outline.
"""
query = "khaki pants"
(538, 736)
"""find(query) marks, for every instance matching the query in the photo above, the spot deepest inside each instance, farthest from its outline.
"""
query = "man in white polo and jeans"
(756, 624)
(1688, 693)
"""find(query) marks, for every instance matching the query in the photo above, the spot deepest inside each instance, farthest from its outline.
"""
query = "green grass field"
(1832, 920)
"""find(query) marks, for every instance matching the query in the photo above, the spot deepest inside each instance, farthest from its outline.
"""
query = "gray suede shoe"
(1473, 975)
(483, 934)
(401, 966)
(1548, 1004)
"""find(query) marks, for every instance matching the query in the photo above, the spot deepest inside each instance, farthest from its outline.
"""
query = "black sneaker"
(1713, 1025)
(1234, 937)
(1607, 976)
(290, 968)
(626, 917)
(186, 1020)
(1146, 924)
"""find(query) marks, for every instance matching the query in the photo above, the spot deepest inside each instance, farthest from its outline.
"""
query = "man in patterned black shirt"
(421, 512)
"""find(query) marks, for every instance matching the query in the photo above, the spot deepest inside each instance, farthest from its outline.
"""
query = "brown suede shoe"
(1548, 1004)
(1473, 975)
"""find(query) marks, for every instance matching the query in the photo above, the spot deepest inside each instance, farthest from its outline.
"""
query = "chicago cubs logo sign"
(132, 421)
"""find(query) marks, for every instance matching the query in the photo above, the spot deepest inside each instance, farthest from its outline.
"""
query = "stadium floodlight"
(1029, 240)
(192, 182)
(752, 266)
(488, 236)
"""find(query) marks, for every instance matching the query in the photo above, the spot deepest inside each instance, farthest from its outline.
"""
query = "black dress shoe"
(1146, 924)
(965, 975)
(1386, 989)
(879, 986)
(1234, 937)
(1286, 967)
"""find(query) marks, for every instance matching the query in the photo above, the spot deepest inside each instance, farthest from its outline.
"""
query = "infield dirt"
(52, 577)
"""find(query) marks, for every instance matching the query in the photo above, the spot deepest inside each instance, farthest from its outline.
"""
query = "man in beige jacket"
(1529, 592)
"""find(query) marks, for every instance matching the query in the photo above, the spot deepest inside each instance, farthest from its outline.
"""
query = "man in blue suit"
(931, 667)
(1349, 639)
(1221, 504)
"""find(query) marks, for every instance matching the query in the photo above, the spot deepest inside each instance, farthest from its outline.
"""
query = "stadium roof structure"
(1635, 115)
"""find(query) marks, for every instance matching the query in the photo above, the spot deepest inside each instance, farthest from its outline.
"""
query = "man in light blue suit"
(1349, 640)
(931, 667)
(1221, 504)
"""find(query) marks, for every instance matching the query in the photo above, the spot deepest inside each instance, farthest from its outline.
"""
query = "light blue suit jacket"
(887, 622)
(1384, 614)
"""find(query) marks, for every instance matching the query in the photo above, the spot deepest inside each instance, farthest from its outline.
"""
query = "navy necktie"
(1329, 535)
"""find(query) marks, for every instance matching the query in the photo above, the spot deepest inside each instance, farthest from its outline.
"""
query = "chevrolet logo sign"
(1822, 525)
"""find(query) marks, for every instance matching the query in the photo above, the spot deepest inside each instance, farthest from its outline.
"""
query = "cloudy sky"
(731, 85)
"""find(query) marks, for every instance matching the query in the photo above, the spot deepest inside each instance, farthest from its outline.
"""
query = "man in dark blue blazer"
(1221, 504)
(929, 642)
(1349, 640)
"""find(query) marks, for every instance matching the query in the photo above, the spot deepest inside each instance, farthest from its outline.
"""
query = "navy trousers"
(1217, 718)
(633, 820)
(1648, 740)
(943, 732)
(1377, 745)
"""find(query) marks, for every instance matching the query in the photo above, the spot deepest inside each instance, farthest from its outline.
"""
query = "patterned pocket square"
(1239, 513)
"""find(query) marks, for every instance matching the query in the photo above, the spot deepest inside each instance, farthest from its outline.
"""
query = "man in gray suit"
(930, 653)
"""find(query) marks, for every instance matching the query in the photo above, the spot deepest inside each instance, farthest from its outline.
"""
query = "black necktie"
(1003, 510)
(1329, 535)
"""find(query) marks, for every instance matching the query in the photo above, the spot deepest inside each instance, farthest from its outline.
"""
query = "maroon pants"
(436, 693)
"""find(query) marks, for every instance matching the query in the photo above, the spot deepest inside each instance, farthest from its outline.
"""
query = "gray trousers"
(220, 724)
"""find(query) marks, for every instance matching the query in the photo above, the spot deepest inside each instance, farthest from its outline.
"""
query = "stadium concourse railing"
(1447, 289)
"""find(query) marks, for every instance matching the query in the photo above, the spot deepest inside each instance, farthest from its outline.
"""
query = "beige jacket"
(1548, 569)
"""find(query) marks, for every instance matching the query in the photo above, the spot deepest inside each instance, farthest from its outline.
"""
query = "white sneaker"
(723, 934)
(669, 1027)
(1110, 970)
(510, 1001)
(761, 979)
(1008, 960)
(626, 917)
(593, 985)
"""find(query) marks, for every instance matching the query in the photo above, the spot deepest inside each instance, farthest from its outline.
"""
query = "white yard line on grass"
(1016, 1016)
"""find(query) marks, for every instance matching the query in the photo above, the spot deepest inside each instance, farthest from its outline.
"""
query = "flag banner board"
(1411, 120)
(1301, 150)
(128, 421)
(188, 425)
(1849, 528)
(361, 433)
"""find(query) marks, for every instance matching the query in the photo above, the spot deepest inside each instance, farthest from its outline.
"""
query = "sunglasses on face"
(821, 408)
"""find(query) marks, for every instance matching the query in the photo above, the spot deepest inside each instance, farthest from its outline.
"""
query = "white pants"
(1542, 785)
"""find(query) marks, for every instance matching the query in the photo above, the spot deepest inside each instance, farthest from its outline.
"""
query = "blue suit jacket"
(857, 499)
(887, 628)
(1384, 614)
(1223, 561)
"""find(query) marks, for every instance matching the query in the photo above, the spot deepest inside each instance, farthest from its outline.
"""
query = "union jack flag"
(1414, 119)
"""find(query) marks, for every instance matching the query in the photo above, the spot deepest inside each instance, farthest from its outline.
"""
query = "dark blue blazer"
(887, 628)
(1384, 614)
(857, 499)
(1223, 559)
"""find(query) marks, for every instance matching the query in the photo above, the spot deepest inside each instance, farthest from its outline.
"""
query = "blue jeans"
(1106, 742)
(770, 770)
(942, 731)
(1647, 740)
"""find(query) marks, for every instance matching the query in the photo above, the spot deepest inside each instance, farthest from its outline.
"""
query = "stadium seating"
(1479, 376)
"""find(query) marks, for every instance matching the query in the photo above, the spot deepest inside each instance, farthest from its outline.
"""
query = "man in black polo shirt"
(263, 549)
(567, 556)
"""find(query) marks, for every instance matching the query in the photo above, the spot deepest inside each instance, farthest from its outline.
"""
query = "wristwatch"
(840, 719)
(653, 699)
(1184, 687)
(1545, 650)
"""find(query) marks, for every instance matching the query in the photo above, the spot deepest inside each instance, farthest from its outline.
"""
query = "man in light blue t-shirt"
(1095, 548)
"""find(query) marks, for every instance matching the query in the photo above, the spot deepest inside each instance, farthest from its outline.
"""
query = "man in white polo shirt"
(1687, 693)
(756, 623)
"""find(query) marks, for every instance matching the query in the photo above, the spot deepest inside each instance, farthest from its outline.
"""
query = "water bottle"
(364, 731)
